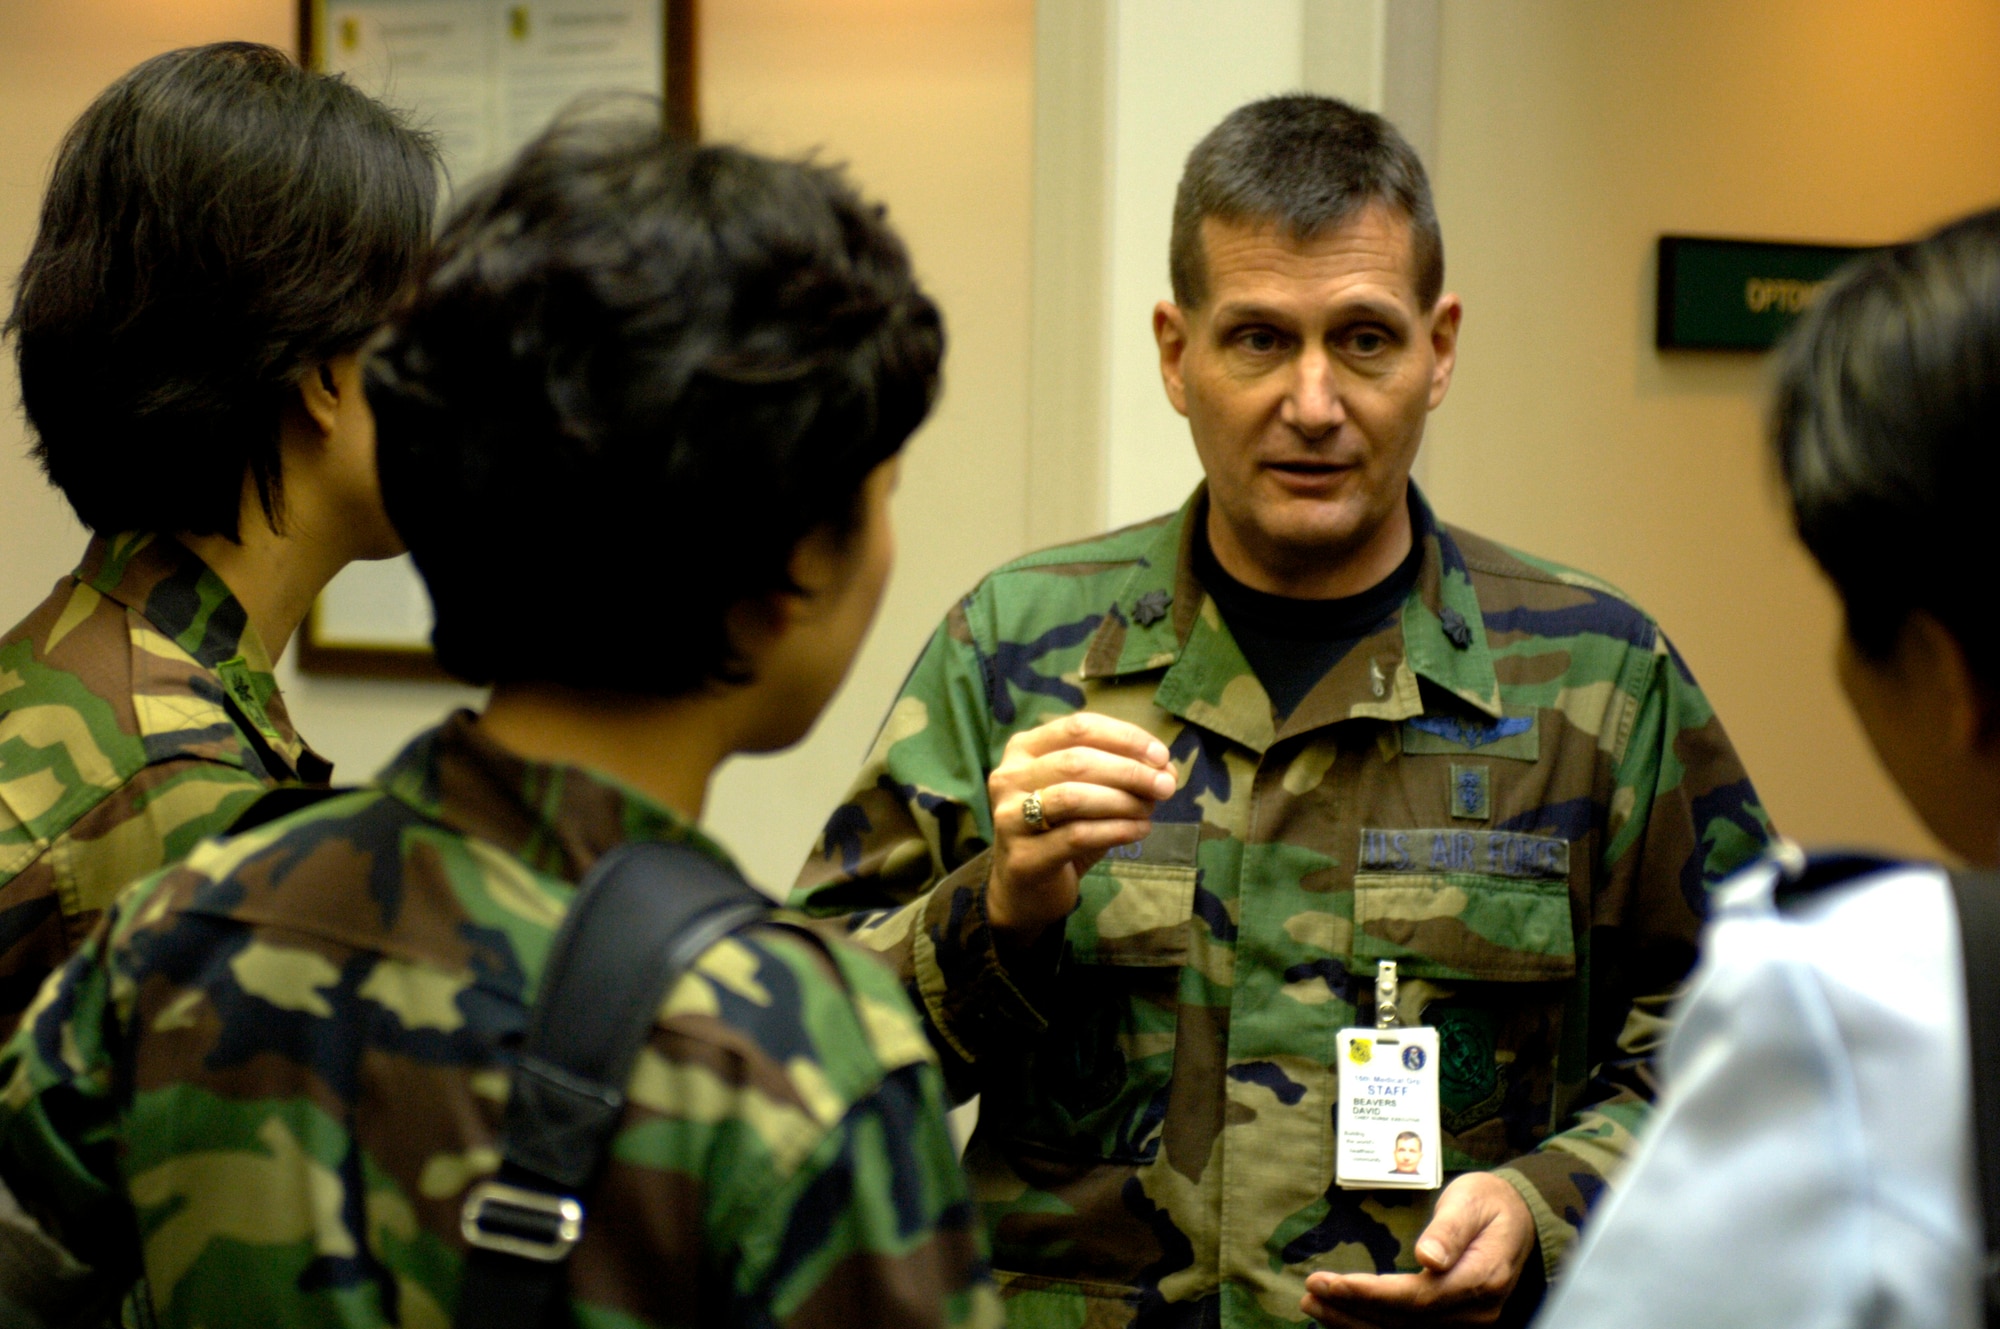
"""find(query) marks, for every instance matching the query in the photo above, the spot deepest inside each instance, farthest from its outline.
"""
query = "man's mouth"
(1307, 474)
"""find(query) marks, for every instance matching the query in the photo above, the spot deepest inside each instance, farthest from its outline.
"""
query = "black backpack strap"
(1977, 895)
(642, 915)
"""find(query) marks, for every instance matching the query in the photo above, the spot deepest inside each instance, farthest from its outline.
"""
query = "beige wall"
(930, 102)
(1572, 133)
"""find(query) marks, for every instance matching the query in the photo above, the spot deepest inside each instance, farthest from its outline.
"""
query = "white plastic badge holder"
(1388, 1122)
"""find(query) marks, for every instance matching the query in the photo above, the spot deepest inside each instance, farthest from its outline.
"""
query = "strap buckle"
(515, 1221)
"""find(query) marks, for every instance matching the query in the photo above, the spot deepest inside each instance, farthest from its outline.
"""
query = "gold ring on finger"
(1031, 812)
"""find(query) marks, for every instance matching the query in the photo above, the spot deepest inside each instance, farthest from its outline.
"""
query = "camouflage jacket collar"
(557, 818)
(1162, 618)
(191, 618)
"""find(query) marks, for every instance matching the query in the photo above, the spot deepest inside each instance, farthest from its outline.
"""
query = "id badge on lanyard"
(1388, 1123)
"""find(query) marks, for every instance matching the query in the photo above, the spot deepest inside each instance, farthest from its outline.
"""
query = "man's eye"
(1368, 341)
(1258, 341)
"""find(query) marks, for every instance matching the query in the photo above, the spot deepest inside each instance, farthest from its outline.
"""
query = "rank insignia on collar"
(1151, 607)
(1456, 630)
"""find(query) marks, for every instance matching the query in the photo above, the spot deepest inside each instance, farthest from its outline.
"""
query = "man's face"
(1409, 1153)
(1305, 376)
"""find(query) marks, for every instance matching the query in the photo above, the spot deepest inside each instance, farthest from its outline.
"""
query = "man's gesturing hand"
(1099, 779)
(1472, 1254)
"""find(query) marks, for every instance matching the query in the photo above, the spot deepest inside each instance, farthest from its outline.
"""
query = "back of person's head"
(1305, 164)
(638, 374)
(219, 222)
(1887, 432)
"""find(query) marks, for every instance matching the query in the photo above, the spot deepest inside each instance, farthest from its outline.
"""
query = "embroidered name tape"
(1169, 845)
(1496, 853)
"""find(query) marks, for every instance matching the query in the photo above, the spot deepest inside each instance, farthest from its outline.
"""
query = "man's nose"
(1313, 406)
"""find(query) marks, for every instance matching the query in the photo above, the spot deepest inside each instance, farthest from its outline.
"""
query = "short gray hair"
(1306, 163)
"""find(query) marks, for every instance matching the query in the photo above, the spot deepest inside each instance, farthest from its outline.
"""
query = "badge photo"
(1388, 1135)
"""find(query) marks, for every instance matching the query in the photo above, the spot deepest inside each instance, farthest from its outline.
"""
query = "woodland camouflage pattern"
(285, 1057)
(138, 715)
(1515, 790)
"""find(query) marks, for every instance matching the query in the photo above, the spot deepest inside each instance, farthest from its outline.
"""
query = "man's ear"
(820, 563)
(1445, 318)
(1170, 330)
(324, 388)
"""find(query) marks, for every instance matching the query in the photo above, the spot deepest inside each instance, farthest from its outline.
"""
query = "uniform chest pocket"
(1134, 907)
(1465, 905)
(1096, 1086)
(1480, 928)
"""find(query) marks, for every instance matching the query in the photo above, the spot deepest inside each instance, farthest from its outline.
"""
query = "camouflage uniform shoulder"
(782, 1013)
(93, 692)
(354, 815)
(65, 687)
(782, 1000)
(1065, 588)
(802, 1001)
(297, 873)
(1505, 579)
(793, 998)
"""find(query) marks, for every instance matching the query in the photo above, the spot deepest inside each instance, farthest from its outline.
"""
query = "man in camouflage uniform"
(1152, 807)
(214, 436)
(266, 1085)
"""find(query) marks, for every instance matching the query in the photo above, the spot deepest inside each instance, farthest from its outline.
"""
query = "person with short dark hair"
(1815, 1129)
(635, 365)
(222, 232)
(1152, 807)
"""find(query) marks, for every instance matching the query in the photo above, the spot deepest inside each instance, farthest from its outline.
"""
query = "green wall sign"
(1738, 295)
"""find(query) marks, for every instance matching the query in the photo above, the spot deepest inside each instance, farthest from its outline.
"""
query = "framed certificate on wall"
(485, 76)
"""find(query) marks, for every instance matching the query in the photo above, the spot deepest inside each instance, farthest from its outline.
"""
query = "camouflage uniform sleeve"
(1683, 816)
(906, 855)
(797, 1108)
(58, 1105)
(875, 1228)
(151, 820)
